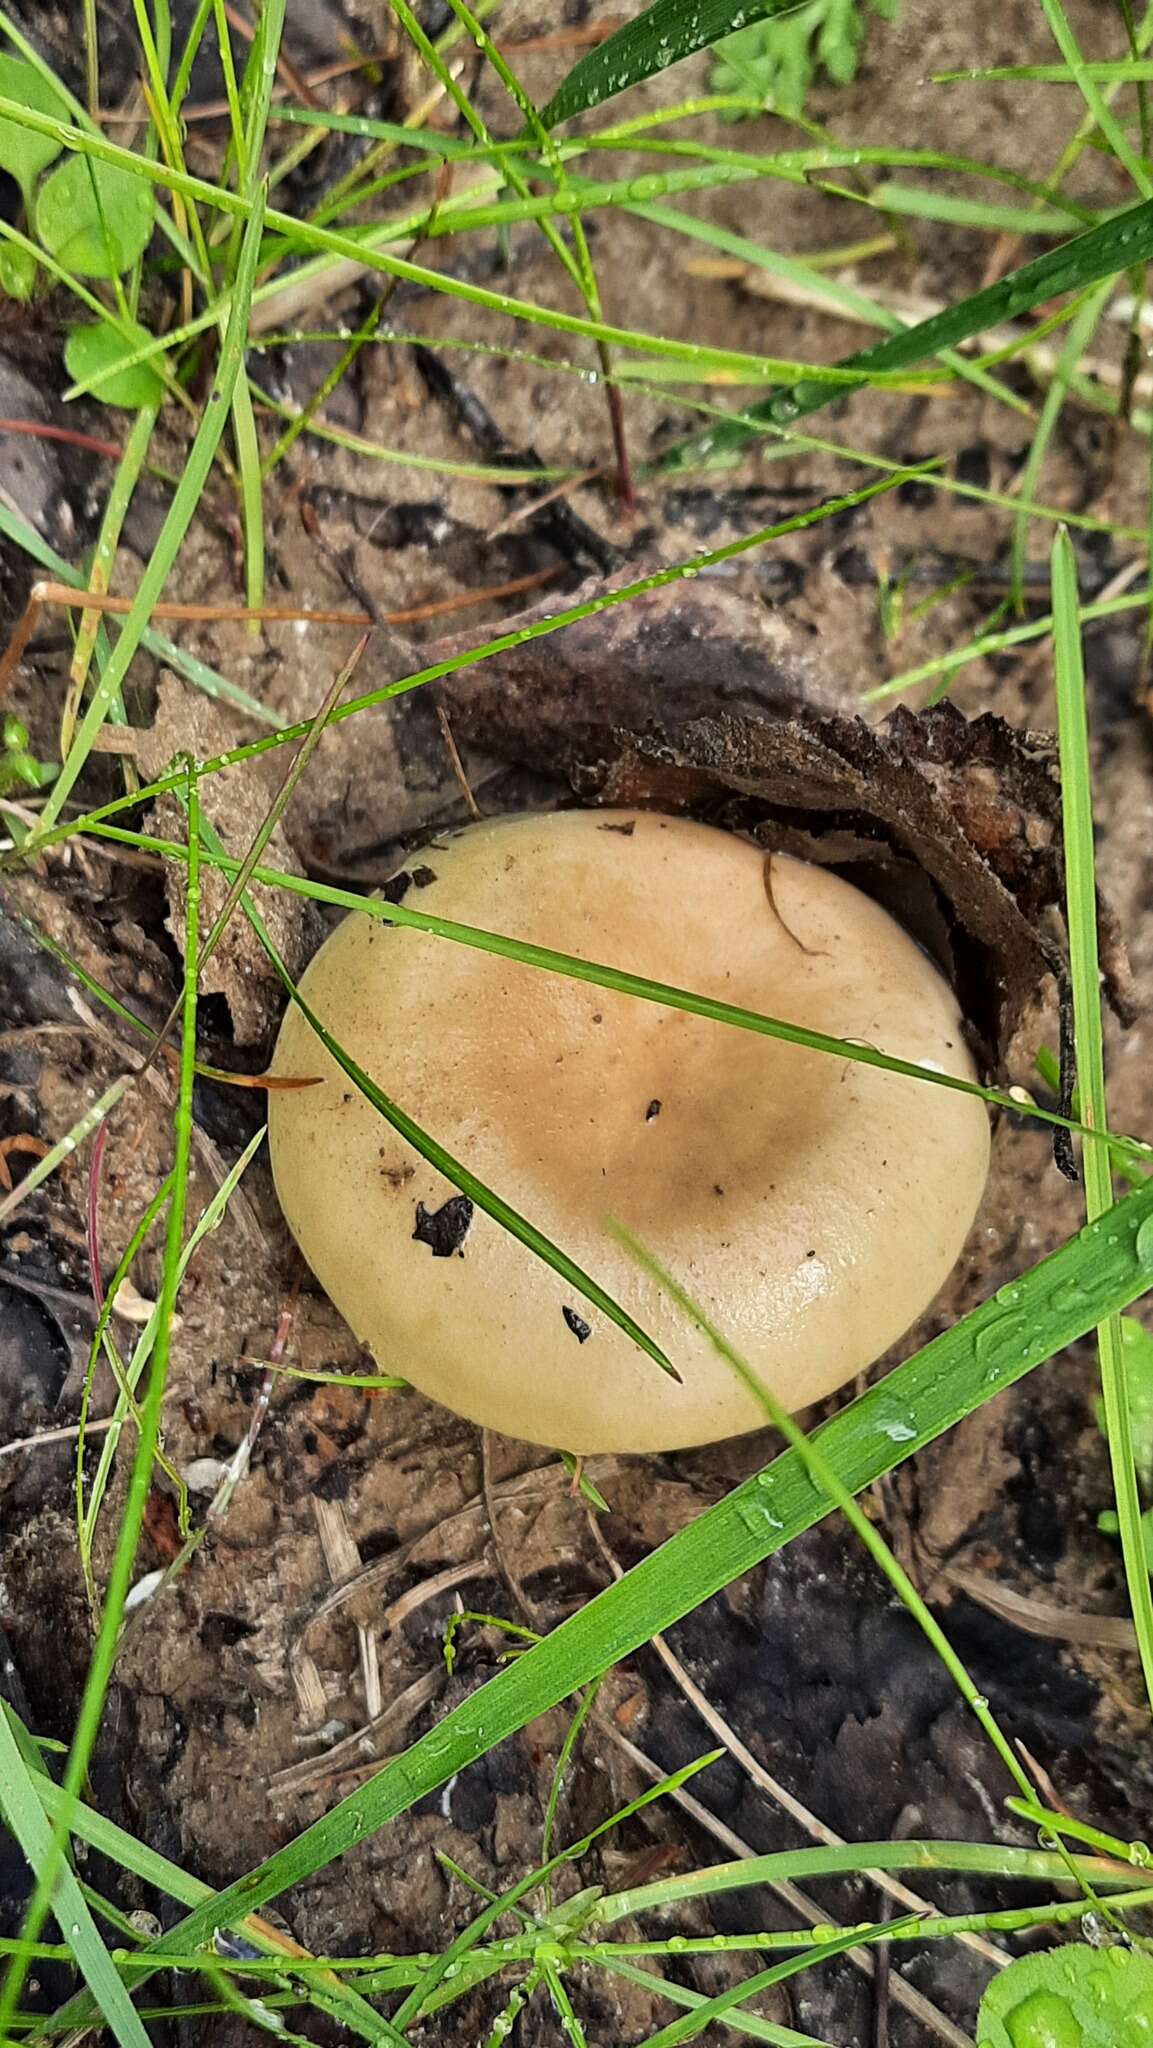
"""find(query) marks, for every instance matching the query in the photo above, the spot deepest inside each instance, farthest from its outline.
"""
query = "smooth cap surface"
(813, 1206)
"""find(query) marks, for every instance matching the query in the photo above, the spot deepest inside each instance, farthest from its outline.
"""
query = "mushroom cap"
(812, 1206)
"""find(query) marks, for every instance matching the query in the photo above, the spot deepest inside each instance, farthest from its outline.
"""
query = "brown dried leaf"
(651, 665)
(955, 824)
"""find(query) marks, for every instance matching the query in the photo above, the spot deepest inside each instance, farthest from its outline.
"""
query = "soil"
(241, 1710)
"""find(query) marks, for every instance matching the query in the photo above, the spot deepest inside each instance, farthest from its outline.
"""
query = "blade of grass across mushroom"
(1057, 1302)
(104, 1655)
(177, 519)
(1081, 919)
(454, 1170)
(621, 982)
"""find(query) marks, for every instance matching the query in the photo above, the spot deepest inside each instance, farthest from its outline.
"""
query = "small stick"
(471, 804)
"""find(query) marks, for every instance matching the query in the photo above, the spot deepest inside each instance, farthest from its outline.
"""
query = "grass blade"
(176, 524)
(1081, 915)
(462, 1177)
(619, 979)
(1093, 1275)
(27, 1821)
(1101, 252)
(659, 579)
(661, 36)
(104, 1654)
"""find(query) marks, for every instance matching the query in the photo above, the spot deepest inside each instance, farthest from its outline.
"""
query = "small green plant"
(95, 348)
(94, 219)
(19, 768)
(1072, 1997)
(778, 59)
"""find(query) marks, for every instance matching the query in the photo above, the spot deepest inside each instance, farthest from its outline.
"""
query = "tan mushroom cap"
(813, 1206)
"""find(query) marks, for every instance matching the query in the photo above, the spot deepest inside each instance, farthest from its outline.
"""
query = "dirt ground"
(305, 1639)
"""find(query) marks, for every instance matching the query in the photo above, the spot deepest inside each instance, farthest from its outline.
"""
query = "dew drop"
(1043, 2020)
(1068, 1297)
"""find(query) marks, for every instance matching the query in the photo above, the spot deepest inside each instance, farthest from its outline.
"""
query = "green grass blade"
(1072, 350)
(1081, 917)
(744, 2023)
(27, 1821)
(145, 1346)
(847, 297)
(618, 979)
(592, 607)
(42, 1169)
(247, 447)
(718, 2007)
(662, 35)
(140, 1481)
(1100, 253)
(438, 1156)
(462, 1177)
(827, 1482)
(104, 557)
(1093, 1275)
(947, 665)
(1103, 115)
(176, 523)
(1119, 71)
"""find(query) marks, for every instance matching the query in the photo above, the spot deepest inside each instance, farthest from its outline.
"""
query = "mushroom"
(813, 1206)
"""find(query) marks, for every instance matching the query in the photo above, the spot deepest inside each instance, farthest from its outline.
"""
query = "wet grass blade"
(461, 1177)
(1077, 340)
(140, 1480)
(1101, 252)
(1085, 974)
(177, 521)
(662, 35)
(28, 1823)
(620, 980)
(1091, 1276)
(658, 579)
